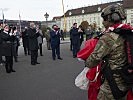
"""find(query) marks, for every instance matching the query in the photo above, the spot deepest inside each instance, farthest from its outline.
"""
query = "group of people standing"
(32, 38)
(9, 43)
(76, 38)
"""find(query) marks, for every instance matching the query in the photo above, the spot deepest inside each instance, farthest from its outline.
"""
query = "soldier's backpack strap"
(127, 71)
(108, 75)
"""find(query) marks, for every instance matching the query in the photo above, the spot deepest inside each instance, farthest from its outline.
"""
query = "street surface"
(50, 80)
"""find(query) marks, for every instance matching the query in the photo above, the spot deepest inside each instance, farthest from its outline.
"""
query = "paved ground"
(51, 80)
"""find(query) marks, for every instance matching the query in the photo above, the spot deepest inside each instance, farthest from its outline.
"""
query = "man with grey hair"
(33, 43)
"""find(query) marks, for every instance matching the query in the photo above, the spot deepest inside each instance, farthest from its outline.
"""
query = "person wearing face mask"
(33, 43)
(75, 37)
(55, 42)
(6, 48)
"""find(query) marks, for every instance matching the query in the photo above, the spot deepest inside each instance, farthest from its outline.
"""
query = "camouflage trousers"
(107, 96)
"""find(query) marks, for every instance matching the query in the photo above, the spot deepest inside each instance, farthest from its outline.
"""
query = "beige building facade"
(92, 14)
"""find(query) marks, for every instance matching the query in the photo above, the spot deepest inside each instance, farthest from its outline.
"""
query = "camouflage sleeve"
(103, 47)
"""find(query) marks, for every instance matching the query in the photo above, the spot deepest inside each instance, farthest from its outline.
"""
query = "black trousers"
(26, 50)
(0, 59)
(56, 51)
(76, 48)
(71, 46)
(40, 47)
(48, 45)
(34, 55)
(17, 50)
(9, 63)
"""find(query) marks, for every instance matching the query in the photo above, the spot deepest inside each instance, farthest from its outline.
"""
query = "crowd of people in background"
(77, 35)
(32, 40)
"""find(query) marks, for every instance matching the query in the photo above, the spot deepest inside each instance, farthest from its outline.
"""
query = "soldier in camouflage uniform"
(113, 45)
(47, 36)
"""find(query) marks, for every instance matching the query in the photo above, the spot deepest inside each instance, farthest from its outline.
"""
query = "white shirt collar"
(5, 32)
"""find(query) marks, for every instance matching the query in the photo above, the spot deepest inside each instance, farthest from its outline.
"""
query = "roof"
(128, 3)
(56, 18)
(89, 9)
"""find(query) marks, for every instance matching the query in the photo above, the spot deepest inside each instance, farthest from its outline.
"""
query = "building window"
(94, 18)
(90, 19)
(99, 9)
(70, 13)
(131, 21)
(83, 11)
(98, 20)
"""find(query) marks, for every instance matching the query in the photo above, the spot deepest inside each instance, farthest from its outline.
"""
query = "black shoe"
(60, 58)
(33, 63)
(53, 58)
(1, 64)
(16, 60)
(41, 55)
(74, 56)
(13, 70)
(37, 63)
(8, 71)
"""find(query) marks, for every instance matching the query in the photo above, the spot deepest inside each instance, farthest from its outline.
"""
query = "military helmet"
(113, 13)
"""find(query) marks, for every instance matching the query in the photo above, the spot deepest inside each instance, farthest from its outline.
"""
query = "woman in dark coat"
(6, 48)
(81, 33)
(25, 40)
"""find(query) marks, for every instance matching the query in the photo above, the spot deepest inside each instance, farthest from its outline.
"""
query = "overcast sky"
(35, 9)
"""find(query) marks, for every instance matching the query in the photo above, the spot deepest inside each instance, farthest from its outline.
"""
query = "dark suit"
(33, 45)
(81, 37)
(6, 49)
(75, 36)
(25, 40)
(55, 43)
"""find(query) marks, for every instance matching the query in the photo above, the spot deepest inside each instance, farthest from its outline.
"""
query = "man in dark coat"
(55, 42)
(33, 43)
(75, 36)
(6, 48)
(25, 40)
(81, 33)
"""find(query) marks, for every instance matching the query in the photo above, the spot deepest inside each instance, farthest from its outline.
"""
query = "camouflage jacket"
(113, 45)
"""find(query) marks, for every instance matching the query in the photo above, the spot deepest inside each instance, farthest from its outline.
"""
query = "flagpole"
(64, 16)
(20, 22)
(3, 17)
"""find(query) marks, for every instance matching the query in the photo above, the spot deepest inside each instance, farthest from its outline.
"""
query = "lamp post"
(46, 16)
(64, 15)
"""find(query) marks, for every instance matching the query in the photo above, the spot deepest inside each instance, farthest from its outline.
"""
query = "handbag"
(81, 80)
